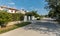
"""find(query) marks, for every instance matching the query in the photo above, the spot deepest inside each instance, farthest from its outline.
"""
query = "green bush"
(23, 24)
(17, 16)
(5, 18)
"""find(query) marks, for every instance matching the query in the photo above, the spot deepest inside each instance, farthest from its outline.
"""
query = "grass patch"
(23, 24)
(9, 28)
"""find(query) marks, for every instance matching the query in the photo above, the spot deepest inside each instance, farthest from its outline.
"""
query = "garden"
(10, 17)
(5, 18)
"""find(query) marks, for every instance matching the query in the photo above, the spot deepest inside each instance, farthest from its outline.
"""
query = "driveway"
(44, 27)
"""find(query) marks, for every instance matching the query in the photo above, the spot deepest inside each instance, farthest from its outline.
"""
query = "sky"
(28, 5)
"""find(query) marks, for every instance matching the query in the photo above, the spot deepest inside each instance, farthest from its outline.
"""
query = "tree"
(35, 13)
(54, 5)
(32, 13)
(51, 14)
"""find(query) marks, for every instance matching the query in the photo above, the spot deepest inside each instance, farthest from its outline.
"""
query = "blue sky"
(26, 4)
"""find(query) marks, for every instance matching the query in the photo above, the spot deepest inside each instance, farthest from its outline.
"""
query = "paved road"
(44, 27)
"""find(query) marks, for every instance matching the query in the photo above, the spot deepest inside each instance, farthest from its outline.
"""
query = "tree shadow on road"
(44, 27)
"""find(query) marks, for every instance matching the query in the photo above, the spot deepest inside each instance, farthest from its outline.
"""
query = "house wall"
(23, 12)
(2, 8)
(14, 11)
(11, 11)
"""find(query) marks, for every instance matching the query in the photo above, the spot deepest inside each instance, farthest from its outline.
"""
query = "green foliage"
(23, 24)
(35, 13)
(54, 5)
(4, 18)
(21, 17)
(7, 17)
(17, 16)
(51, 14)
(32, 13)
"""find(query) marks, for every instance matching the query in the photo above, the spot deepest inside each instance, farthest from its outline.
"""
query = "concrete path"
(44, 27)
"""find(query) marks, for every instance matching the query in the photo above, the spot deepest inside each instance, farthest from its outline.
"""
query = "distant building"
(2, 8)
(12, 10)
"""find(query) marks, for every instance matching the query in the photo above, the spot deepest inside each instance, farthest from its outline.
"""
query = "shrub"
(7, 17)
(17, 16)
(4, 18)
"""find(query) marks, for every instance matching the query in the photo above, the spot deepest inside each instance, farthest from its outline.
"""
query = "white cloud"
(12, 3)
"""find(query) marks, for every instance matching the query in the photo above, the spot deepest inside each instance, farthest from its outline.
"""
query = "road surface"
(44, 27)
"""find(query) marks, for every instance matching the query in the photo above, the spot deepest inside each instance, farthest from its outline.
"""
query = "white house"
(21, 11)
(12, 10)
(2, 8)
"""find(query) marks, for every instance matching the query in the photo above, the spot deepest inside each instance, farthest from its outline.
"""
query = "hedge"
(7, 17)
